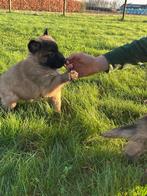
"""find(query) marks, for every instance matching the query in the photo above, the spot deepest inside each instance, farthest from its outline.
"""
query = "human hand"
(86, 64)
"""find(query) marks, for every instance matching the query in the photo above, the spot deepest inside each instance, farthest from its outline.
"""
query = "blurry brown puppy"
(37, 75)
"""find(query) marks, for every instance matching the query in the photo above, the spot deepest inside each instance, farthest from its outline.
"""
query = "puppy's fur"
(37, 75)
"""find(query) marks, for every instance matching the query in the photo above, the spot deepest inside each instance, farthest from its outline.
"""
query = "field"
(42, 153)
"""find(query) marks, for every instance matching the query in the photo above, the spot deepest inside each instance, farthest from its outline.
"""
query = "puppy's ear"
(34, 46)
(45, 32)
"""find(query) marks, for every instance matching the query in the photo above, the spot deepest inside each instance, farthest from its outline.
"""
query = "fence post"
(64, 7)
(10, 5)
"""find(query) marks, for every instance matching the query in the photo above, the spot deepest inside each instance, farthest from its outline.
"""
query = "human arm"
(132, 53)
(86, 64)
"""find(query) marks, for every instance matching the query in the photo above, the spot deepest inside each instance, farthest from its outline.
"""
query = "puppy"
(37, 75)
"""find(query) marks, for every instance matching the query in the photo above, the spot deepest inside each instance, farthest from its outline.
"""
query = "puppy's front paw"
(73, 75)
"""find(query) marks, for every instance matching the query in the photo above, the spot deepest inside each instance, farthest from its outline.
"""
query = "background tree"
(64, 7)
(10, 5)
(124, 9)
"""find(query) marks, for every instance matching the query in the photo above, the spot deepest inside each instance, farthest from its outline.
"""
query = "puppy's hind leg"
(56, 101)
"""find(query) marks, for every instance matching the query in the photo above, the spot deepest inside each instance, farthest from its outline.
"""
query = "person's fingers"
(69, 66)
(67, 61)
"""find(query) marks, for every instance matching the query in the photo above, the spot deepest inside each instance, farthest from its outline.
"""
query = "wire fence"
(111, 6)
(42, 5)
(58, 5)
(61, 5)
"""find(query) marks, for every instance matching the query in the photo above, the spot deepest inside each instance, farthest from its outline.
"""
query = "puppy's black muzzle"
(55, 60)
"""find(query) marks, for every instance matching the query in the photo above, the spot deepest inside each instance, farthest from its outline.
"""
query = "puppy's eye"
(50, 54)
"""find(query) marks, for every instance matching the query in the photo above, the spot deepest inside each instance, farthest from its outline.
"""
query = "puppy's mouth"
(55, 61)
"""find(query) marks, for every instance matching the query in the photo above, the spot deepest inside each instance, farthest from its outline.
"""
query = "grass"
(44, 154)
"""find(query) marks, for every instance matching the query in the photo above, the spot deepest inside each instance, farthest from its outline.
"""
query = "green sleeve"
(130, 53)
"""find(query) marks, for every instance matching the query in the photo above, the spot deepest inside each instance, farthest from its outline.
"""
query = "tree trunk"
(10, 5)
(124, 9)
(64, 7)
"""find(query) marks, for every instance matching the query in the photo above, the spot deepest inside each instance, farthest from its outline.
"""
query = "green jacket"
(130, 53)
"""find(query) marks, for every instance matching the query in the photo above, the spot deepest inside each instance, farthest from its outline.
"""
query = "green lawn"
(42, 153)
